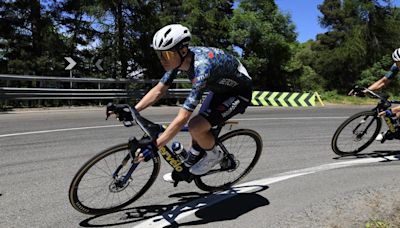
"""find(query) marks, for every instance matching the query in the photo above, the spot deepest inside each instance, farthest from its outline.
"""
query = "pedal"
(227, 162)
(182, 176)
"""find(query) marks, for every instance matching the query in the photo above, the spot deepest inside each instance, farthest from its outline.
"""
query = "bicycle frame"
(169, 156)
(383, 105)
(128, 178)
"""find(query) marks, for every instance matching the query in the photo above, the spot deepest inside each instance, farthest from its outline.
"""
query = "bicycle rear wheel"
(245, 147)
(356, 133)
(94, 190)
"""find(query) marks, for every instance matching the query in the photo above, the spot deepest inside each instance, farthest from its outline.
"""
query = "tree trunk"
(120, 33)
(36, 31)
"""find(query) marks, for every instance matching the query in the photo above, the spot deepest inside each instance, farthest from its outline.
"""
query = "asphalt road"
(291, 186)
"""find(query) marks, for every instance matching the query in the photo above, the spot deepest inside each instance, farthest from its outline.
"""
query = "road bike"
(358, 131)
(118, 176)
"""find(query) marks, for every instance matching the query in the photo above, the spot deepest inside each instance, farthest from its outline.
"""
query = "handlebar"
(363, 90)
(384, 103)
(129, 115)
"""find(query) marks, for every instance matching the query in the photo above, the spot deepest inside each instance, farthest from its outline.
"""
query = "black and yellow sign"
(284, 99)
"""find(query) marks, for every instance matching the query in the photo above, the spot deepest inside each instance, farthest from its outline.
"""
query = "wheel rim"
(357, 134)
(97, 190)
(244, 147)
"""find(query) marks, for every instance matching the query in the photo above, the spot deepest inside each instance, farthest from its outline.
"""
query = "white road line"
(57, 130)
(119, 125)
(188, 209)
(295, 118)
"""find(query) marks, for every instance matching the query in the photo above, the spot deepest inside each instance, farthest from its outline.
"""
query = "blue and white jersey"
(394, 70)
(213, 70)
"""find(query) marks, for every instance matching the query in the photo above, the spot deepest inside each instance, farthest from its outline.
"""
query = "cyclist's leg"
(201, 125)
(221, 108)
(195, 150)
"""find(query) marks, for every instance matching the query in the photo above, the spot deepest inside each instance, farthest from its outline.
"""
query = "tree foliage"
(35, 36)
(264, 36)
(359, 33)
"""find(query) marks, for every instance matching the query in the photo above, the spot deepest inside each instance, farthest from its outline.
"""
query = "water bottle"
(192, 157)
(179, 150)
(394, 124)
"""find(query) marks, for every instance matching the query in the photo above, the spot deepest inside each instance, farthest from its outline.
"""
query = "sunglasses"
(166, 55)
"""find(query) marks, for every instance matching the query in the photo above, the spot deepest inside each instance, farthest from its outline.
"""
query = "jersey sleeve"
(394, 70)
(168, 77)
(202, 73)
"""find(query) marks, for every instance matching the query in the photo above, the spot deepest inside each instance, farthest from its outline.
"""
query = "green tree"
(32, 41)
(359, 33)
(112, 22)
(377, 71)
(265, 36)
(304, 77)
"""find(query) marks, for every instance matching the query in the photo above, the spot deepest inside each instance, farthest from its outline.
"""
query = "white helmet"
(169, 36)
(396, 55)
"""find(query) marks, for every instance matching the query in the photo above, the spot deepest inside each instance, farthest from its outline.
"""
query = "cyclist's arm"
(152, 96)
(184, 113)
(174, 128)
(384, 81)
(395, 110)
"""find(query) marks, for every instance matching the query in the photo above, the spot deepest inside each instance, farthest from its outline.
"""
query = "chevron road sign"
(71, 63)
(98, 64)
(284, 99)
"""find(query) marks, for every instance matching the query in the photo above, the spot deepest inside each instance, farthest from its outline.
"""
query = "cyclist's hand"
(147, 151)
(122, 113)
(357, 91)
(110, 110)
(387, 113)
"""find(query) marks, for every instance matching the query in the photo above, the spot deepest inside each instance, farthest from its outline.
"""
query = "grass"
(384, 217)
(332, 97)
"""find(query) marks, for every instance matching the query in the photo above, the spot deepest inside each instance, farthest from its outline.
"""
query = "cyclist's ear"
(184, 50)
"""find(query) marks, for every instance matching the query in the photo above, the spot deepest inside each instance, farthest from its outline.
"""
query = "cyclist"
(384, 81)
(209, 69)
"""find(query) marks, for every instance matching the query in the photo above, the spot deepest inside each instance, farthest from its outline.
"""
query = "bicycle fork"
(362, 122)
(136, 159)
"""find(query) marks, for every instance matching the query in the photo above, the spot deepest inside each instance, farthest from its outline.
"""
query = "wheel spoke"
(245, 146)
(96, 191)
(356, 133)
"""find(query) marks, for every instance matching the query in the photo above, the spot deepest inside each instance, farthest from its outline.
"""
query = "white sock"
(194, 151)
(212, 150)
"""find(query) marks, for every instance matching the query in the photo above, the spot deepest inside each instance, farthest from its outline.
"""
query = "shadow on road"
(209, 208)
(229, 209)
(375, 154)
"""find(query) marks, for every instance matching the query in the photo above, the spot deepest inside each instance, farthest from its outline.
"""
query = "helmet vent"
(396, 55)
(166, 33)
(161, 41)
(168, 42)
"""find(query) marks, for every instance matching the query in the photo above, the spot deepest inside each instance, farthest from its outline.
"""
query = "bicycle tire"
(202, 182)
(338, 132)
(81, 206)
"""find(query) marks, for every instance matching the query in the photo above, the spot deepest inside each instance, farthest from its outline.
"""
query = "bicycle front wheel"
(356, 133)
(96, 190)
(245, 147)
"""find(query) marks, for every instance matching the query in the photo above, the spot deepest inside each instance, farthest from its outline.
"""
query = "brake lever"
(108, 114)
(110, 110)
(351, 93)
